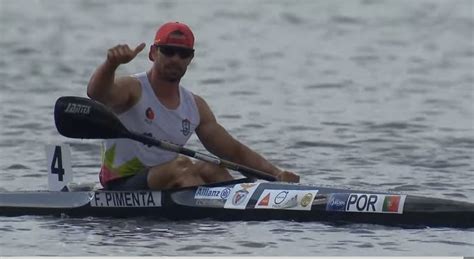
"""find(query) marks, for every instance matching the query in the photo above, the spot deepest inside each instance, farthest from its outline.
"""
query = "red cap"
(176, 34)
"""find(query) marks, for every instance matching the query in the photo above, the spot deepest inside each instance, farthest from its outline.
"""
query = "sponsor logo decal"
(75, 108)
(212, 193)
(366, 203)
(291, 203)
(307, 199)
(240, 195)
(286, 199)
(225, 193)
(126, 199)
(186, 127)
(281, 197)
(337, 202)
(265, 200)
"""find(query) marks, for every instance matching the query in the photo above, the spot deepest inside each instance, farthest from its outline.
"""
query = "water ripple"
(17, 167)
(307, 144)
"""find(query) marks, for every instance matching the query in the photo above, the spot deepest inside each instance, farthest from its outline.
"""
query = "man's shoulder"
(127, 81)
(130, 85)
(197, 97)
(200, 102)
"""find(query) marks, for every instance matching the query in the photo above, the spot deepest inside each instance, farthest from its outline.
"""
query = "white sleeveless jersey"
(125, 157)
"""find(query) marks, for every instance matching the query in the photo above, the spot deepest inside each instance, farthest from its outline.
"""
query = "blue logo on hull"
(337, 202)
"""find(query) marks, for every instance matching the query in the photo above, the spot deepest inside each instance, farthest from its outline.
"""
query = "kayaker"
(154, 103)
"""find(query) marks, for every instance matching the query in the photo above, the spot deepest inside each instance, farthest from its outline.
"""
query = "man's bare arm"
(103, 86)
(219, 142)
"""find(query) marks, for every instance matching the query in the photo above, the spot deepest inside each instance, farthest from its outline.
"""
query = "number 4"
(59, 166)
(57, 163)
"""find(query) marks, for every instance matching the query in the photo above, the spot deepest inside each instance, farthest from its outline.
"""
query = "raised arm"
(105, 88)
(219, 142)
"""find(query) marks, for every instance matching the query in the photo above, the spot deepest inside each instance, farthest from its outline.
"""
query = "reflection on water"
(371, 94)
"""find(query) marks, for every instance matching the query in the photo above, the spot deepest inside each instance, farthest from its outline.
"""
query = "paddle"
(78, 117)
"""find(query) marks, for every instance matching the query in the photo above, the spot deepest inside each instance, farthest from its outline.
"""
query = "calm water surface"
(369, 94)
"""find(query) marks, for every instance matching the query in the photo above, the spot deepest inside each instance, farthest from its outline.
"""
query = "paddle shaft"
(201, 156)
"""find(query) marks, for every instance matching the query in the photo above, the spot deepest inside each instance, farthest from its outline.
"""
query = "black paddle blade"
(78, 117)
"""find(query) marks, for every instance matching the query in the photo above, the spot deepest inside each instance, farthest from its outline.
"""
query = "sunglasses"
(170, 51)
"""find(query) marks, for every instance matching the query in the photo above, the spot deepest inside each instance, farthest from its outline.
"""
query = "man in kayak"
(155, 104)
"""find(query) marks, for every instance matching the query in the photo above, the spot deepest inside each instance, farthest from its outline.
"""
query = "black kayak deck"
(238, 200)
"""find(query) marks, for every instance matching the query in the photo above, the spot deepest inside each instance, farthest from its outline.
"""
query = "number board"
(59, 166)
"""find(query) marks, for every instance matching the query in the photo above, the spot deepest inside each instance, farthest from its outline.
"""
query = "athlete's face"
(171, 62)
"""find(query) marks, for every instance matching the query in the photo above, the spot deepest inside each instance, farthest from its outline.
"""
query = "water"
(371, 94)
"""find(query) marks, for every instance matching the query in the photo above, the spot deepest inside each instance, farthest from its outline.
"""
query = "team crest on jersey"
(150, 115)
(186, 127)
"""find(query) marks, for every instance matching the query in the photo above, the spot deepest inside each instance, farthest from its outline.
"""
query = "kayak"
(247, 200)
(242, 199)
